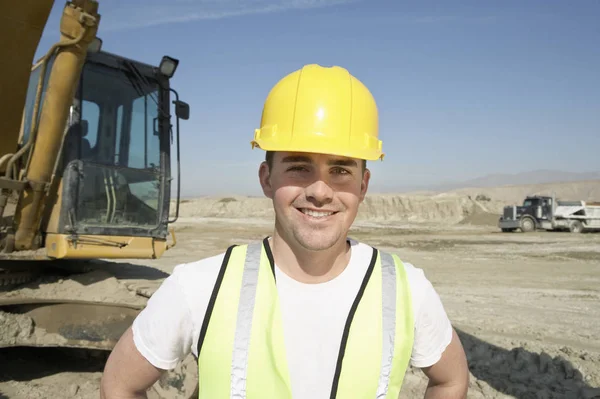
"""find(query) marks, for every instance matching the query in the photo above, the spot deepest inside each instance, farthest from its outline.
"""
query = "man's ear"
(264, 176)
(364, 185)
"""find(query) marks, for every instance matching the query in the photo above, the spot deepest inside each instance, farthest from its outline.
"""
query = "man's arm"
(127, 374)
(449, 377)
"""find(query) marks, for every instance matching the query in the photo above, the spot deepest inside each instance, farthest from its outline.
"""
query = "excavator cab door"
(116, 167)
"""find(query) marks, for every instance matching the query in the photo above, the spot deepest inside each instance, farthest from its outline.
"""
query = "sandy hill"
(581, 190)
(466, 205)
(533, 177)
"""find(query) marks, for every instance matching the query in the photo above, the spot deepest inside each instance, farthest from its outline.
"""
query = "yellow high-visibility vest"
(241, 352)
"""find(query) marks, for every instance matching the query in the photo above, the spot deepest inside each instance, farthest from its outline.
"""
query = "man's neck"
(311, 267)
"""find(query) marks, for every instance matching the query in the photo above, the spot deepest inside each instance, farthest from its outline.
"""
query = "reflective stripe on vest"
(241, 351)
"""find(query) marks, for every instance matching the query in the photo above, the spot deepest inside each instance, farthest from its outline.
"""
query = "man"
(308, 312)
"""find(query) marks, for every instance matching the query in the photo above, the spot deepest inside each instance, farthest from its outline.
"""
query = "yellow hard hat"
(322, 110)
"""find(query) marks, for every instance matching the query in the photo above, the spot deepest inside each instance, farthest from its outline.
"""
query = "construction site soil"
(526, 305)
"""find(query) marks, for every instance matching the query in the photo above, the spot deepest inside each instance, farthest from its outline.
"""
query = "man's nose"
(319, 192)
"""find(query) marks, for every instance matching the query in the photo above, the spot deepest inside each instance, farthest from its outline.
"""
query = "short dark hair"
(269, 160)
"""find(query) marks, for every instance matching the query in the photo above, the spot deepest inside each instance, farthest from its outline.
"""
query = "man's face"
(315, 196)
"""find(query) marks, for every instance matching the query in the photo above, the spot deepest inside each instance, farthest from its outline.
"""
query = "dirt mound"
(442, 208)
(477, 206)
(96, 285)
(484, 213)
(229, 207)
(481, 219)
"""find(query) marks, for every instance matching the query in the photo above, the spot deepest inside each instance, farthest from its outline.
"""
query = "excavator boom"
(60, 70)
(23, 22)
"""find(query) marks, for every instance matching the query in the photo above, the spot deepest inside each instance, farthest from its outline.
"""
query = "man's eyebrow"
(333, 162)
(343, 162)
(296, 158)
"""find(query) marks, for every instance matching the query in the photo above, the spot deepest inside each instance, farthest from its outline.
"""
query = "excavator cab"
(89, 173)
(117, 164)
(113, 186)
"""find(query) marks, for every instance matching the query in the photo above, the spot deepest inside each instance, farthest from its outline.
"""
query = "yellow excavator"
(85, 176)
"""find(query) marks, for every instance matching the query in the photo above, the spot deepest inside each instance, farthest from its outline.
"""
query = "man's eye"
(341, 171)
(296, 168)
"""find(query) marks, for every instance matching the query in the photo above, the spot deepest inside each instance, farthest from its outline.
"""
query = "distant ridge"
(540, 176)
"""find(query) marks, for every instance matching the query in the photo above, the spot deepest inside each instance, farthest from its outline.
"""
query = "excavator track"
(82, 305)
(14, 271)
(9, 278)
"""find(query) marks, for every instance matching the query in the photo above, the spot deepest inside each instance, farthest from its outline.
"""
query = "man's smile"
(318, 214)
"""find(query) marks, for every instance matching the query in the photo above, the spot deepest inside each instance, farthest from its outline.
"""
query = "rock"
(15, 325)
(566, 350)
(73, 389)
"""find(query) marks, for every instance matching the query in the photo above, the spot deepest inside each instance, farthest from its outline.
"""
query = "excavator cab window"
(115, 174)
(90, 120)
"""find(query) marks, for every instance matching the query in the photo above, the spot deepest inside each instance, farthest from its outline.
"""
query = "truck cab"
(535, 212)
(550, 214)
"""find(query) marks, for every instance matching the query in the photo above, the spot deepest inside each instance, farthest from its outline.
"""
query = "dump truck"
(85, 176)
(539, 212)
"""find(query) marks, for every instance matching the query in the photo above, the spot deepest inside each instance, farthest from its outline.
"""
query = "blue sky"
(464, 88)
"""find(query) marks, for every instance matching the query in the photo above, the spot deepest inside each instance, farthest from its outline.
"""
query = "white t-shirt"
(314, 316)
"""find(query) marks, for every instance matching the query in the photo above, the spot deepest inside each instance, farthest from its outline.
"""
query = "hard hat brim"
(364, 154)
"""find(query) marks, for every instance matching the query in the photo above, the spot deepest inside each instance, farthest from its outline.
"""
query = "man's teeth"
(316, 214)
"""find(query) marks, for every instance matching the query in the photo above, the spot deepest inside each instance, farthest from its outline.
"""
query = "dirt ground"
(526, 306)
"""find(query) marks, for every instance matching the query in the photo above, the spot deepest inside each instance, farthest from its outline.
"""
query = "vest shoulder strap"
(213, 298)
(378, 336)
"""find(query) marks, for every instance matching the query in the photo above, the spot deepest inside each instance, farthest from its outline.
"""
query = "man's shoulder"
(413, 272)
(421, 289)
(204, 269)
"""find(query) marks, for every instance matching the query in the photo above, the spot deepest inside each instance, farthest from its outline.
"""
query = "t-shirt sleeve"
(433, 329)
(163, 330)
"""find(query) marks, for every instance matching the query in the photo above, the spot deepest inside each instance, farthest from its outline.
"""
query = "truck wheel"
(527, 225)
(576, 227)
